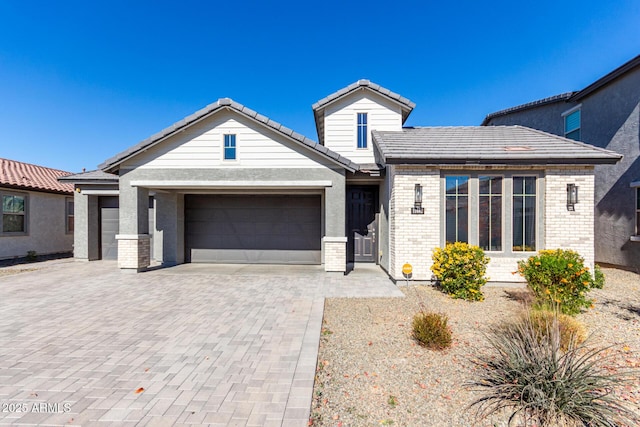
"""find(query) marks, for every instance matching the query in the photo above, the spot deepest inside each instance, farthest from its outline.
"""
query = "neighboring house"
(36, 211)
(228, 185)
(604, 114)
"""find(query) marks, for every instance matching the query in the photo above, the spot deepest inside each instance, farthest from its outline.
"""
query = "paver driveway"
(83, 344)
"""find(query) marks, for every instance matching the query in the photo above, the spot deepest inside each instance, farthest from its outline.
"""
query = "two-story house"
(229, 185)
(604, 114)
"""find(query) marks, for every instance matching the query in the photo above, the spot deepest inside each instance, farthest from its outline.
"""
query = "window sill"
(635, 238)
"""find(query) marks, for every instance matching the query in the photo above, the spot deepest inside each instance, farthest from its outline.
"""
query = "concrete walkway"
(83, 344)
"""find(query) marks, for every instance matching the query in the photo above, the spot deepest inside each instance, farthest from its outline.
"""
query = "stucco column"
(133, 240)
(169, 235)
(334, 242)
(86, 244)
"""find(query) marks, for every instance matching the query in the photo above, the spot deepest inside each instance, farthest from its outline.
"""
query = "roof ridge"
(230, 104)
(543, 101)
(33, 164)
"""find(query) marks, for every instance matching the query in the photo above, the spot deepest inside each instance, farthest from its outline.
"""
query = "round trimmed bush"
(431, 330)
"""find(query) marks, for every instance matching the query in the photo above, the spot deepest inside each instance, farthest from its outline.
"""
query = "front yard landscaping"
(372, 372)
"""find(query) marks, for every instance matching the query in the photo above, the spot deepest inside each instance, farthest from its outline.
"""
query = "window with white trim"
(230, 147)
(362, 130)
(13, 216)
(572, 125)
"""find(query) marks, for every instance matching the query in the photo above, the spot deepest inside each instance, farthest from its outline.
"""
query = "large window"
(524, 213)
(230, 147)
(490, 213)
(362, 130)
(497, 211)
(457, 209)
(572, 125)
(14, 213)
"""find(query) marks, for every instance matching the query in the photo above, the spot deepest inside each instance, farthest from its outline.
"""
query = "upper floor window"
(572, 124)
(230, 147)
(14, 213)
(362, 130)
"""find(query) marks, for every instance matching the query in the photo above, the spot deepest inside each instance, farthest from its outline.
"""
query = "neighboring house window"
(457, 209)
(362, 130)
(230, 147)
(572, 125)
(14, 213)
(524, 213)
(70, 215)
(490, 213)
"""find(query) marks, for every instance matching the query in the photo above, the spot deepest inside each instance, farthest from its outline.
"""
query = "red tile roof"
(32, 177)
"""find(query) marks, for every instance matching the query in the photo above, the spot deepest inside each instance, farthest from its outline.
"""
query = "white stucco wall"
(46, 228)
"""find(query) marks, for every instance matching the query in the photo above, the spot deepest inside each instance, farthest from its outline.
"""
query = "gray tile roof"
(528, 105)
(318, 108)
(91, 176)
(226, 103)
(509, 145)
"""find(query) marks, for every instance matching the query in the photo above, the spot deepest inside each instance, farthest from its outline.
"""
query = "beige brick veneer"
(335, 253)
(566, 229)
(133, 251)
(412, 237)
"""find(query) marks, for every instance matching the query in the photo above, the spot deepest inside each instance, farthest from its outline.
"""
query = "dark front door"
(361, 224)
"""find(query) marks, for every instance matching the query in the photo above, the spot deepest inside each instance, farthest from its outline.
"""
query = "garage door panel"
(253, 229)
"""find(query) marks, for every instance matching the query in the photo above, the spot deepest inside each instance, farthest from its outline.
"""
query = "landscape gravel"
(371, 372)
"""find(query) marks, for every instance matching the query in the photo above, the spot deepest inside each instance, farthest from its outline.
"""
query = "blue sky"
(81, 81)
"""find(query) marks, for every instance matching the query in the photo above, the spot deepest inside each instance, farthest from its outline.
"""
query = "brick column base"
(133, 252)
(335, 253)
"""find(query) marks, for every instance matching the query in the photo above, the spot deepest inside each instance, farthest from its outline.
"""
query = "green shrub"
(431, 330)
(460, 269)
(559, 279)
(529, 375)
(32, 256)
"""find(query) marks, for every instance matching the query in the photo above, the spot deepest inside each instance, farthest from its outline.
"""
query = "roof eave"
(37, 190)
(603, 81)
(509, 162)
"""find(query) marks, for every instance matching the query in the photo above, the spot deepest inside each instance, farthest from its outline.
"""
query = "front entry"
(362, 203)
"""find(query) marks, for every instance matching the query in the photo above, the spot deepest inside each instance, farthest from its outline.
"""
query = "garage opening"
(253, 229)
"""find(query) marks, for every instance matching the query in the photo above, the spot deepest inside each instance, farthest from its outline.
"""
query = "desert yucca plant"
(431, 330)
(530, 375)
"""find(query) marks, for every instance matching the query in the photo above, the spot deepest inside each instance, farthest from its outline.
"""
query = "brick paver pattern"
(83, 344)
